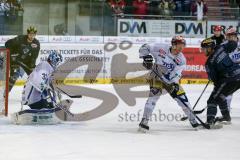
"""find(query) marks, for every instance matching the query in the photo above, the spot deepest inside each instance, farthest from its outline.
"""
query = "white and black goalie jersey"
(37, 83)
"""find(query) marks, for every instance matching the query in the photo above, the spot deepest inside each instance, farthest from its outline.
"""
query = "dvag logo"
(190, 28)
(135, 27)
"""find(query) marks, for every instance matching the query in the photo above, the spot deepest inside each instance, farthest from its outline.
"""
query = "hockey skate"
(143, 126)
(225, 120)
(214, 125)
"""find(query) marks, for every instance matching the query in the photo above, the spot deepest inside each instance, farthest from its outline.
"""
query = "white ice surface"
(110, 138)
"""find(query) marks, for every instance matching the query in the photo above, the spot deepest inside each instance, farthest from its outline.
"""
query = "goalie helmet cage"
(4, 80)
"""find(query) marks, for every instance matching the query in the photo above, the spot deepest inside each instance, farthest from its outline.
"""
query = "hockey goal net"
(4, 80)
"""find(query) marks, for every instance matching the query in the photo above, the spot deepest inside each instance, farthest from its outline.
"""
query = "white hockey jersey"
(168, 65)
(38, 81)
(235, 55)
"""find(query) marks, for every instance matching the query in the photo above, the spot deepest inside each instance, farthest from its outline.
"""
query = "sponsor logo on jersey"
(25, 50)
(169, 66)
(162, 53)
(177, 61)
(236, 56)
(33, 45)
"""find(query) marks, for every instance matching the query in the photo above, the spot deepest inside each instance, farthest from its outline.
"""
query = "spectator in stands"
(60, 29)
(239, 5)
(140, 7)
(117, 6)
(179, 6)
(129, 7)
(15, 9)
(199, 9)
(4, 7)
(186, 5)
(238, 2)
(218, 36)
(167, 7)
(17, 4)
(152, 9)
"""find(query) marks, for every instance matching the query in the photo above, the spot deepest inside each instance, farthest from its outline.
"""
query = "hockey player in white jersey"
(164, 77)
(36, 91)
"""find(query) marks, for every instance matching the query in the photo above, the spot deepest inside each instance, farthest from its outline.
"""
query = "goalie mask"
(55, 59)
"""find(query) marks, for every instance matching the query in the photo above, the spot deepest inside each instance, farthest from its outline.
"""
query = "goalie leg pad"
(43, 103)
(33, 117)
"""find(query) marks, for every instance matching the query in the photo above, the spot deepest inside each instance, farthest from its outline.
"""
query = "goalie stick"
(59, 105)
(207, 126)
(197, 112)
(68, 94)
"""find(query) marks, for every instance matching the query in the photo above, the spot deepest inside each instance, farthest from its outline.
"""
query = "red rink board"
(195, 64)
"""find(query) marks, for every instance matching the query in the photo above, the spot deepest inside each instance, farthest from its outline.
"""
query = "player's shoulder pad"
(36, 41)
(161, 47)
(21, 37)
(44, 65)
(180, 59)
(230, 46)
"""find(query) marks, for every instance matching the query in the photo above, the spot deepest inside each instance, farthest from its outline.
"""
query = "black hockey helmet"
(208, 43)
(178, 39)
(32, 29)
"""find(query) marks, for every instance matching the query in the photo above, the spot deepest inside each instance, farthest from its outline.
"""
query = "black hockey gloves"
(148, 61)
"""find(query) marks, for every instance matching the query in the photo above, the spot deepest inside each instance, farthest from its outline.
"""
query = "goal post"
(4, 80)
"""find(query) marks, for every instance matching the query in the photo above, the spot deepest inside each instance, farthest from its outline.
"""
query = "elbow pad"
(144, 50)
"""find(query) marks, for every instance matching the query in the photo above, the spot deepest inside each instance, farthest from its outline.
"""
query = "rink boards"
(114, 59)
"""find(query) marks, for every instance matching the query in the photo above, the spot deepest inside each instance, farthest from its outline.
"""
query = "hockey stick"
(201, 122)
(200, 111)
(197, 112)
(69, 95)
(25, 67)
